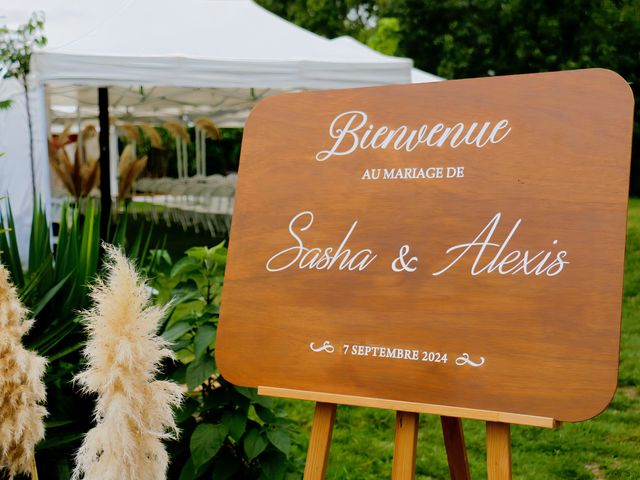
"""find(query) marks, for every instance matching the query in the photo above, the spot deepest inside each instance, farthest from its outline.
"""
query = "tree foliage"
(330, 18)
(16, 46)
(476, 38)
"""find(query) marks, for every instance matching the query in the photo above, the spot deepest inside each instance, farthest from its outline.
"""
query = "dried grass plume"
(81, 175)
(134, 411)
(177, 130)
(208, 126)
(129, 170)
(152, 134)
(130, 132)
(21, 387)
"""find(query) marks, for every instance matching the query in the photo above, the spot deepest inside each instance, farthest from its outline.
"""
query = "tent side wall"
(15, 163)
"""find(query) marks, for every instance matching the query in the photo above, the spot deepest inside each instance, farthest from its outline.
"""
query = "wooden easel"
(407, 415)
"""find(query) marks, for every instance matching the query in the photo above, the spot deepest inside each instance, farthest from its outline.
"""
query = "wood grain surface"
(320, 441)
(498, 451)
(456, 448)
(540, 339)
(406, 441)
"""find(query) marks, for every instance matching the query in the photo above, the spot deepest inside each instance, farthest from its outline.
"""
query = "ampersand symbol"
(401, 264)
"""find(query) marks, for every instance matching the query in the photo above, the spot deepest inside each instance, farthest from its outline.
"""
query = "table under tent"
(197, 65)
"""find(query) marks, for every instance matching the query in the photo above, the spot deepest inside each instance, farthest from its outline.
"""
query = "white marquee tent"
(350, 43)
(161, 57)
(228, 107)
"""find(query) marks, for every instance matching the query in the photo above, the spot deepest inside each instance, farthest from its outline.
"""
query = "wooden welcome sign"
(457, 244)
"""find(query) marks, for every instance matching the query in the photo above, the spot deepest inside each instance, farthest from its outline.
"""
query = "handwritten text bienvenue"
(489, 254)
(352, 131)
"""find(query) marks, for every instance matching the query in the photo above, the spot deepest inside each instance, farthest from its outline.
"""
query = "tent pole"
(105, 184)
(197, 130)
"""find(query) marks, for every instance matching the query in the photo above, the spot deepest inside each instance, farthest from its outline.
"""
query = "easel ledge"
(442, 410)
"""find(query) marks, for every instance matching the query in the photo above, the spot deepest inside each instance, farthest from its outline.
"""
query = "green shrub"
(229, 432)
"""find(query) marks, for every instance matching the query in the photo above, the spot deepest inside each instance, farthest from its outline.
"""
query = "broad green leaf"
(185, 411)
(218, 398)
(199, 371)
(181, 296)
(220, 257)
(204, 337)
(179, 374)
(175, 331)
(226, 466)
(183, 266)
(252, 394)
(280, 439)
(254, 444)
(236, 422)
(188, 471)
(205, 442)
(265, 414)
(198, 253)
(274, 466)
(180, 344)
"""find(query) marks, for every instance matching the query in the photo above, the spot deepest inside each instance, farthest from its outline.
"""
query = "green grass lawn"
(606, 447)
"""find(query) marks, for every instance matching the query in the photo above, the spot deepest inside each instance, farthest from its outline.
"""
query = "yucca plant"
(54, 286)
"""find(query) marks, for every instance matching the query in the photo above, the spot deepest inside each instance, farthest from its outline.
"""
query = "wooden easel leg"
(320, 441)
(456, 448)
(404, 455)
(498, 451)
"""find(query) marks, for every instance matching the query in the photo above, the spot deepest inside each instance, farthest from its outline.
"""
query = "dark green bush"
(229, 432)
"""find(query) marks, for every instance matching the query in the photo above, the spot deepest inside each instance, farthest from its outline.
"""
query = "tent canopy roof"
(195, 43)
(163, 58)
(349, 43)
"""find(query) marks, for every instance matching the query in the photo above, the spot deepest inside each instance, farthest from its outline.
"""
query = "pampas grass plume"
(177, 130)
(154, 137)
(130, 132)
(134, 411)
(21, 387)
(208, 126)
